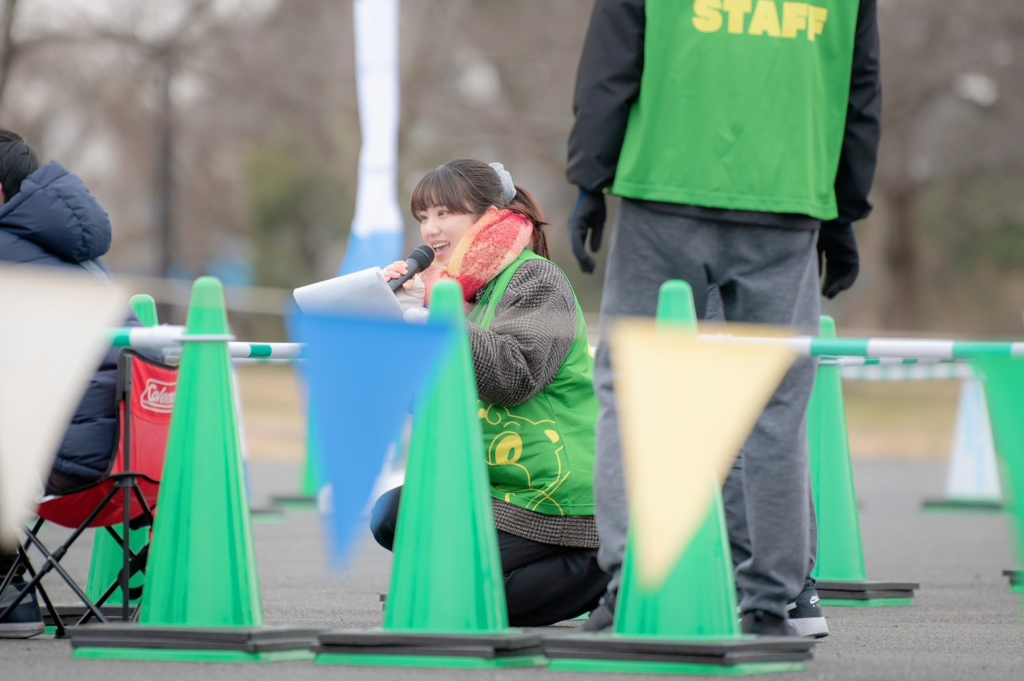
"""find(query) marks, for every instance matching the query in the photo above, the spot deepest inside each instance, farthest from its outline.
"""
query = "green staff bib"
(742, 105)
(541, 454)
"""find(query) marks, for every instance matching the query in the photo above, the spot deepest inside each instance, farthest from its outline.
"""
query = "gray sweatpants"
(765, 276)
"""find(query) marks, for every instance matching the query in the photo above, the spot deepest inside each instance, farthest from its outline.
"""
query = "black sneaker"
(762, 623)
(26, 620)
(805, 615)
(603, 616)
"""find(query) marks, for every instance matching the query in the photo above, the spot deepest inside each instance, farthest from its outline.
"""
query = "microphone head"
(423, 255)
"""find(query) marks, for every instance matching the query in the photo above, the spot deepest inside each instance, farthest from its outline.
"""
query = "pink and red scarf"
(491, 244)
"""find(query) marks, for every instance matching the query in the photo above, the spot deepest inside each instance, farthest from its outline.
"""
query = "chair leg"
(111, 590)
(138, 564)
(126, 550)
(117, 583)
(53, 563)
(146, 509)
(58, 621)
(9, 577)
(53, 559)
(133, 562)
(22, 558)
(13, 572)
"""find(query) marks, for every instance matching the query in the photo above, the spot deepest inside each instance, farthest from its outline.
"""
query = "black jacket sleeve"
(859, 155)
(607, 84)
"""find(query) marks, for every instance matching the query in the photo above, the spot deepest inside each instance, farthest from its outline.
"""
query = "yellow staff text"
(765, 18)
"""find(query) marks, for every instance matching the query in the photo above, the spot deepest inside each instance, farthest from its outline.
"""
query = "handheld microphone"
(418, 260)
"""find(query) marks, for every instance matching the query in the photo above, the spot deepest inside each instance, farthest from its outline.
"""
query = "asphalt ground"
(964, 624)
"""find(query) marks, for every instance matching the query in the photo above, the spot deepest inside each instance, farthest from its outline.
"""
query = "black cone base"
(868, 590)
(963, 505)
(266, 514)
(484, 646)
(726, 652)
(297, 501)
(70, 614)
(1016, 577)
(240, 639)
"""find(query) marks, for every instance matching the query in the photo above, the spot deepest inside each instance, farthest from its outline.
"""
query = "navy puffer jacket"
(55, 221)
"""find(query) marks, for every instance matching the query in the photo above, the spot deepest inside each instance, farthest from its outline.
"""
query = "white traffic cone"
(973, 477)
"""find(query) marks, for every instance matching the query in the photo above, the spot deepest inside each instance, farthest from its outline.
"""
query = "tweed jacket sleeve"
(533, 331)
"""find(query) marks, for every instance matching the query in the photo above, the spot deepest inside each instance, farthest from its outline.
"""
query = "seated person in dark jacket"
(49, 218)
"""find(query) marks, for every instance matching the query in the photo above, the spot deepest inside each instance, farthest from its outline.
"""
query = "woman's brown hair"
(471, 187)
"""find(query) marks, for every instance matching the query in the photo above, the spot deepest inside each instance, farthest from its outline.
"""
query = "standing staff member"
(742, 136)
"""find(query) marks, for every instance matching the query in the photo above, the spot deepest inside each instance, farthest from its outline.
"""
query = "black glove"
(587, 218)
(837, 257)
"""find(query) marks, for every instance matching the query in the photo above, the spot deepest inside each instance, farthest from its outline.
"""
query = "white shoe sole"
(21, 629)
(809, 627)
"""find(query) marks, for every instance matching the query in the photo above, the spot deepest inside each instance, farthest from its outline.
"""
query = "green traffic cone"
(703, 578)
(312, 471)
(447, 586)
(202, 601)
(842, 577)
(107, 557)
(202, 538)
(691, 621)
(1004, 388)
(313, 477)
(145, 309)
(447, 574)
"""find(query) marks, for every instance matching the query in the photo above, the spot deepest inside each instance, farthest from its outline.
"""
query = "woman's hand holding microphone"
(412, 293)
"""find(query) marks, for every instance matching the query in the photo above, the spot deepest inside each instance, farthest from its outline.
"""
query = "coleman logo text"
(159, 396)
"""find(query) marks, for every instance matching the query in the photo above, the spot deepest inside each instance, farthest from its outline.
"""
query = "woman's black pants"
(544, 583)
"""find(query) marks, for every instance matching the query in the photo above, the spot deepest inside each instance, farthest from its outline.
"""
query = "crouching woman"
(534, 375)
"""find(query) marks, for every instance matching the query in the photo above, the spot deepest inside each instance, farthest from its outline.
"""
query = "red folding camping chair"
(126, 495)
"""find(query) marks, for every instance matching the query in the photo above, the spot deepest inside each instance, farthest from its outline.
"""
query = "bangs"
(441, 187)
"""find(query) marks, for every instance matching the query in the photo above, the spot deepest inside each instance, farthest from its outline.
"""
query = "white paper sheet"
(362, 293)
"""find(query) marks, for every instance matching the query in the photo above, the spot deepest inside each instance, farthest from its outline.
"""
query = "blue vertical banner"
(377, 237)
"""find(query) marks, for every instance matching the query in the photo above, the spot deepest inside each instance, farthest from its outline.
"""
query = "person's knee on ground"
(384, 518)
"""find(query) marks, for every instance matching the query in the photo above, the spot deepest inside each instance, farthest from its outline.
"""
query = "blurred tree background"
(223, 136)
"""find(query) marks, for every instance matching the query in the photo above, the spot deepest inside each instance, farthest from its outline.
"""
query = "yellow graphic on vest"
(506, 451)
(765, 19)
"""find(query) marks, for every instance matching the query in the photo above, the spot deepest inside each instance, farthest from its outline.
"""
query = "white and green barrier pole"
(880, 349)
(897, 370)
(254, 352)
(972, 481)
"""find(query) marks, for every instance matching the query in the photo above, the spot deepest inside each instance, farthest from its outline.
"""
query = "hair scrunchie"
(507, 185)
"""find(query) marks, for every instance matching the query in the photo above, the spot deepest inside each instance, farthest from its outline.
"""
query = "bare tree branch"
(9, 49)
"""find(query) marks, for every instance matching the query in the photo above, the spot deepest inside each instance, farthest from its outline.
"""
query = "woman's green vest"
(742, 105)
(541, 454)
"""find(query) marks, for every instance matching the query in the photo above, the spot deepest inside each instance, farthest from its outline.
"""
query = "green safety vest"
(742, 105)
(540, 455)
